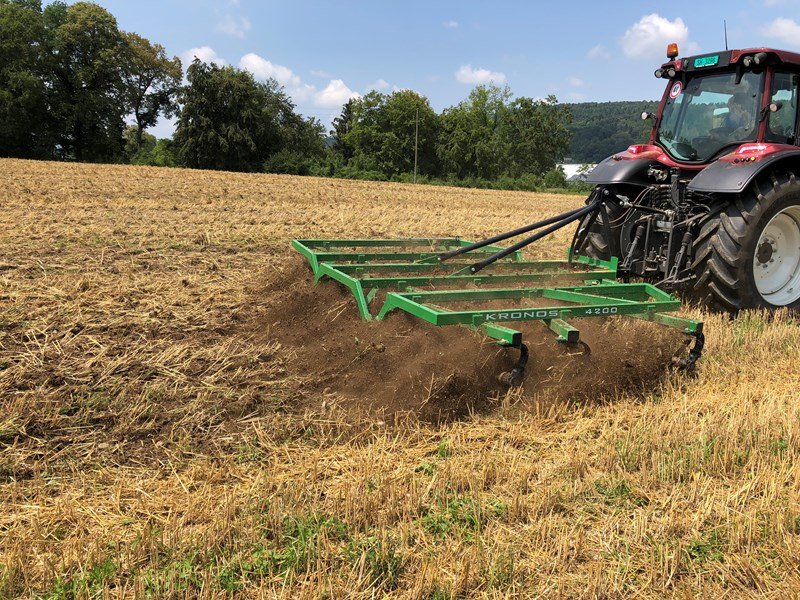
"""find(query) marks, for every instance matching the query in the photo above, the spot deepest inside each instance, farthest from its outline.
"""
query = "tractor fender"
(616, 169)
(728, 175)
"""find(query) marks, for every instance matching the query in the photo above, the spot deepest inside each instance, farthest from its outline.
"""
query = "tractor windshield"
(709, 113)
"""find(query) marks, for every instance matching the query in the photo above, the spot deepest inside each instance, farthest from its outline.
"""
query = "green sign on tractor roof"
(706, 61)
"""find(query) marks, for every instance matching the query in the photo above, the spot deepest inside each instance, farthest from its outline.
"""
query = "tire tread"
(720, 262)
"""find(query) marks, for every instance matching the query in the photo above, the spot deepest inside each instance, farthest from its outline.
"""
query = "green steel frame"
(416, 282)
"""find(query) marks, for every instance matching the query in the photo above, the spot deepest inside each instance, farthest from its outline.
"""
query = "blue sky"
(324, 52)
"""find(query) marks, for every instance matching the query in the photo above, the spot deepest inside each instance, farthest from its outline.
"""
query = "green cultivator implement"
(425, 278)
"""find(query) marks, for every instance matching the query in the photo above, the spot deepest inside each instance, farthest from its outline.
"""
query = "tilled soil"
(404, 364)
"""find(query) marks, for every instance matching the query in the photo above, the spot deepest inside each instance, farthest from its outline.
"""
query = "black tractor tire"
(725, 249)
(597, 245)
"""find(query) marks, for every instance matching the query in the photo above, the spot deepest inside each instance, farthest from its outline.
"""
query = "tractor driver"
(740, 118)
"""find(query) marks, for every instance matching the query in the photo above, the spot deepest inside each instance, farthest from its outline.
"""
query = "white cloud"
(321, 73)
(649, 36)
(783, 29)
(451, 24)
(234, 26)
(599, 52)
(205, 53)
(576, 81)
(334, 95)
(466, 74)
(262, 69)
(379, 85)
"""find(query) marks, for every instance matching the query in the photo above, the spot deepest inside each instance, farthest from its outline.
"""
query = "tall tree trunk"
(79, 140)
(139, 132)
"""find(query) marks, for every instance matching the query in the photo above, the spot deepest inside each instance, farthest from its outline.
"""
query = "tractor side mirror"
(775, 106)
(647, 115)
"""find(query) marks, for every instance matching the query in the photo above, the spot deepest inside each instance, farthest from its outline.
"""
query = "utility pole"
(416, 142)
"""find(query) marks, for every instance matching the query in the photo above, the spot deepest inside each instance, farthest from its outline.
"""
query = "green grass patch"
(444, 449)
(461, 515)
(619, 494)
(426, 468)
(90, 584)
(704, 549)
(290, 552)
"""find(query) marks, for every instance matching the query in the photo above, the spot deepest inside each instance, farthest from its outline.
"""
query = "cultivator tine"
(515, 376)
(581, 348)
(688, 364)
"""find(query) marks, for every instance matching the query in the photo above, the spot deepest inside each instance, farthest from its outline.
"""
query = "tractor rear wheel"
(748, 255)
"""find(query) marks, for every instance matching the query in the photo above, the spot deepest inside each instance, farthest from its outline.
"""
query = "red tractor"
(710, 206)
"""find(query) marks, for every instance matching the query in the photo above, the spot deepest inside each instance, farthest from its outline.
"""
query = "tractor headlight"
(756, 59)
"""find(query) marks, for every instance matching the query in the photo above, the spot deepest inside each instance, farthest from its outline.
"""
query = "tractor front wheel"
(748, 255)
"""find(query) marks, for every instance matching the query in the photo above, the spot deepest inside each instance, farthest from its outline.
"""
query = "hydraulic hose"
(571, 217)
(509, 234)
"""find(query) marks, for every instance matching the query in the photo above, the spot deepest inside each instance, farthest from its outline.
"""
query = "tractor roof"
(792, 58)
(730, 57)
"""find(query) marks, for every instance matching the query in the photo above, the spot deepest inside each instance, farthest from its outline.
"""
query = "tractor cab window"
(708, 114)
(781, 124)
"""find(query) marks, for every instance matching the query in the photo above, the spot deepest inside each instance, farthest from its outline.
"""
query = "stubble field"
(183, 415)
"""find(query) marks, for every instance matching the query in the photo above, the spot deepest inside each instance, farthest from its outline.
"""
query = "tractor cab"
(715, 103)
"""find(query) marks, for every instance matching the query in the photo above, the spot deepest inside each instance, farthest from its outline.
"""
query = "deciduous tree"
(471, 142)
(85, 87)
(536, 134)
(150, 81)
(381, 132)
(23, 108)
(342, 125)
(230, 121)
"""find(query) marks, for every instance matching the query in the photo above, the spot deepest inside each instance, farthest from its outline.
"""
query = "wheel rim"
(776, 263)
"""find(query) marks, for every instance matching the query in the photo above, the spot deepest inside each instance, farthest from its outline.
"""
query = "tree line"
(487, 137)
(73, 86)
(599, 129)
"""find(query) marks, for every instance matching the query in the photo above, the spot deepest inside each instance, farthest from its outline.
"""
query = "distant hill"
(600, 129)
